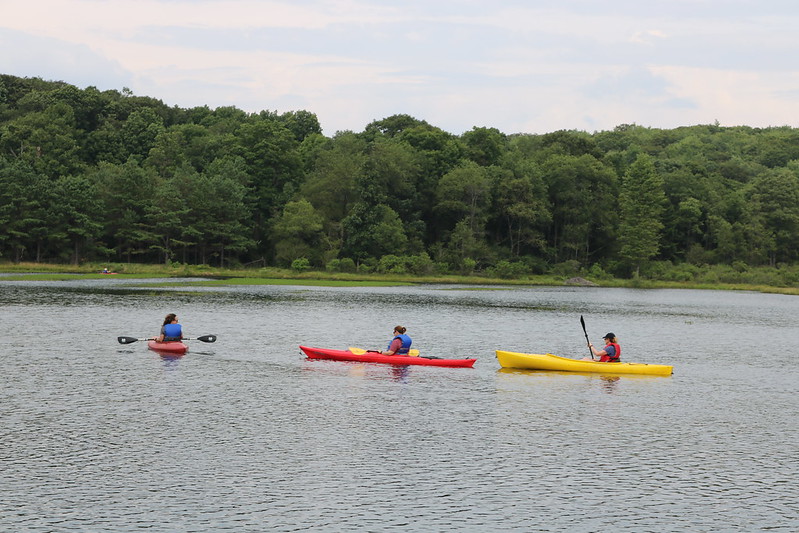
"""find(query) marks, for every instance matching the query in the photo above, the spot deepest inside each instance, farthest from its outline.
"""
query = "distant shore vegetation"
(90, 177)
(763, 279)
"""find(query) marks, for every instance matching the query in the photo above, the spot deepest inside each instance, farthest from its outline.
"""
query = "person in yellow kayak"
(400, 344)
(611, 353)
(170, 330)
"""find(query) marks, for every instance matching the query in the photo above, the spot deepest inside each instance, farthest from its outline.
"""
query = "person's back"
(400, 344)
(173, 331)
(405, 345)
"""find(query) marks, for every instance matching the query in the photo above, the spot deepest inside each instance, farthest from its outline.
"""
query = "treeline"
(89, 175)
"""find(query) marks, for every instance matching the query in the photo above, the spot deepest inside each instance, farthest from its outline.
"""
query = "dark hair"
(169, 318)
(399, 329)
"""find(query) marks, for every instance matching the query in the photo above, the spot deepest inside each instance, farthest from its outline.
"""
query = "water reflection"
(400, 373)
(170, 359)
(610, 383)
(361, 371)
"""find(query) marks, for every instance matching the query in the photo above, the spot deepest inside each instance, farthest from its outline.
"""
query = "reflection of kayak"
(533, 361)
(374, 357)
(173, 347)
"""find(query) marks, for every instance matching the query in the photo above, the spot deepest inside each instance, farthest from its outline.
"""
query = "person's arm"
(160, 337)
(598, 353)
(396, 344)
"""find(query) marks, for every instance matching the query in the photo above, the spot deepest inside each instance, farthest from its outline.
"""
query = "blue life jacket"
(406, 344)
(173, 331)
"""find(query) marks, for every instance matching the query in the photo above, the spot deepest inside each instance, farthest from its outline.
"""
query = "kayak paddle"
(586, 338)
(203, 338)
(413, 352)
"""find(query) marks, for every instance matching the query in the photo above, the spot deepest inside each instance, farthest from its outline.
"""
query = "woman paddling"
(170, 330)
(611, 353)
(400, 344)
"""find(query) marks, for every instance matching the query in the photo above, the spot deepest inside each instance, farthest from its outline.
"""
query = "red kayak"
(170, 347)
(375, 357)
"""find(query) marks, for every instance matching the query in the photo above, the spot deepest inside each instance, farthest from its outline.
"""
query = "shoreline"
(276, 276)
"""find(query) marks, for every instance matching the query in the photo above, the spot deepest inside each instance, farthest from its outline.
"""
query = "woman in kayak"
(170, 330)
(611, 353)
(400, 344)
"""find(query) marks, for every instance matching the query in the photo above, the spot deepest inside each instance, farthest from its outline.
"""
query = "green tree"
(465, 247)
(774, 200)
(373, 231)
(521, 206)
(484, 146)
(274, 164)
(390, 176)
(392, 126)
(76, 215)
(164, 220)
(179, 145)
(301, 124)
(46, 140)
(437, 152)
(297, 232)
(641, 203)
(140, 131)
(464, 195)
(331, 186)
(217, 215)
(582, 200)
(22, 214)
(125, 192)
(105, 144)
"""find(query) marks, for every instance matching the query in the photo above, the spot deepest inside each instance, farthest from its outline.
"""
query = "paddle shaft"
(413, 352)
(203, 338)
(403, 355)
(582, 321)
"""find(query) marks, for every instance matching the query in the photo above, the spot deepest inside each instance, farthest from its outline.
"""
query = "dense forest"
(89, 175)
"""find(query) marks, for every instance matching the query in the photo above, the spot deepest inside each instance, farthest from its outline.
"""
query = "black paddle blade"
(207, 338)
(126, 340)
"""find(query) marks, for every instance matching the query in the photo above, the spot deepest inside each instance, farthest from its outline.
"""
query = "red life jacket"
(612, 359)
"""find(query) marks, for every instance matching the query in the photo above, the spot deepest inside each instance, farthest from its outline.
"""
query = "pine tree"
(642, 201)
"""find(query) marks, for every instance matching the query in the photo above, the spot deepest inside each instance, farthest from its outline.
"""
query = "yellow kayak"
(534, 361)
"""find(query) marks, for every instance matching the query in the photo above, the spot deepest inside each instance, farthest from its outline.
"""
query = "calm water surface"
(247, 435)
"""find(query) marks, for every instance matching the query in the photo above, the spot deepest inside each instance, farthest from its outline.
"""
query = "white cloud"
(647, 36)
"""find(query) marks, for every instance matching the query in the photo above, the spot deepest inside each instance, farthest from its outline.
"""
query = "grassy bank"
(276, 276)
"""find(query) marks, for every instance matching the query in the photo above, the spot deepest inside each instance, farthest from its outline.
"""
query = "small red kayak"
(374, 357)
(170, 347)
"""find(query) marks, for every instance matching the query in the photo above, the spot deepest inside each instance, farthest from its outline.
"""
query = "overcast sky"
(531, 66)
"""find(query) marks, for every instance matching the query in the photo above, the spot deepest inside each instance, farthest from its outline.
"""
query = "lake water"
(248, 435)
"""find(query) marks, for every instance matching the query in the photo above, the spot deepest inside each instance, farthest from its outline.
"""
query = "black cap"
(609, 336)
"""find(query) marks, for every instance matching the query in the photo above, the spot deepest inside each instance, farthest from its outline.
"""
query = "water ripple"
(247, 435)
